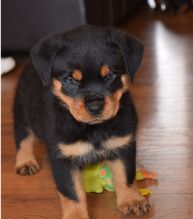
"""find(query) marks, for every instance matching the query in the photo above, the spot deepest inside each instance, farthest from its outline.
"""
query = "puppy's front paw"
(28, 168)
(138, 206)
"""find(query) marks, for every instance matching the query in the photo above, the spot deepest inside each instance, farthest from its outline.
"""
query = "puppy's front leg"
(72, 196)
(129, 200)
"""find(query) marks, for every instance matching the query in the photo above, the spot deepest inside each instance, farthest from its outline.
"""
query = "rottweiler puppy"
(74, 97)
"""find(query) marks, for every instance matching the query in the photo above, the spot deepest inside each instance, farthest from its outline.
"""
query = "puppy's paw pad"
(29, 168)
(137, 207)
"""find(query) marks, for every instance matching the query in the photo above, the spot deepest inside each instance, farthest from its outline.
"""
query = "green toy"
(98, 177)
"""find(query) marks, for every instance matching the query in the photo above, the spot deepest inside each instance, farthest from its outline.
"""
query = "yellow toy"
(98, 177)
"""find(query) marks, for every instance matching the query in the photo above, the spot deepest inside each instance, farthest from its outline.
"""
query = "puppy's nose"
(94, 104)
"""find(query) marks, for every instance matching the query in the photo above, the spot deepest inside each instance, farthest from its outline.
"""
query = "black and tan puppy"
(75, 98)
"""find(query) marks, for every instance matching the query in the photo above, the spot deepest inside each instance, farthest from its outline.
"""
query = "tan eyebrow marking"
(77, 75)
(104, 70)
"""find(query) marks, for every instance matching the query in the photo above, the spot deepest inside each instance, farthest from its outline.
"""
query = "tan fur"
(112, 103)
(57, 91)
(25, 156)
(57, 85)
(129, 200)
(79, 148)
(75, 209)
(77, 106)
(77, 75)
(125, 81)
(104, 70)
(116, 142)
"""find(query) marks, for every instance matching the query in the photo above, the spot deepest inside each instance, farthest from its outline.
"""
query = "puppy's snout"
(94, 104)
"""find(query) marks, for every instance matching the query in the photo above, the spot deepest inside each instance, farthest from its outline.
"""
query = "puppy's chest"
(94, 146)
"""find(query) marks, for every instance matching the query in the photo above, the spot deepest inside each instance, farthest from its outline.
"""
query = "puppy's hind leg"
(26, 163)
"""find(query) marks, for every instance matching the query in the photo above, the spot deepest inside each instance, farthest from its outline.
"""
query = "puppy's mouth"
(97, 120)
(97, 112)
(80, 112)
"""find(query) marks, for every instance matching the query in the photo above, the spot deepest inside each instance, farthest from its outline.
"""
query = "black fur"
(36, 108)
(128, 155)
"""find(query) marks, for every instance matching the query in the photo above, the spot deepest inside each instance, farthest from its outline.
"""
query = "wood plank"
(163, 93)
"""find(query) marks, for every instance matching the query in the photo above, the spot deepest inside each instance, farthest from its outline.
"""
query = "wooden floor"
(163, 93)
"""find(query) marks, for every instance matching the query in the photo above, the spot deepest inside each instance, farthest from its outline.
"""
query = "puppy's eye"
(110, 77)
(70, 80)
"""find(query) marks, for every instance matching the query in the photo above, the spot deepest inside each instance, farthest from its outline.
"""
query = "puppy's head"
(88, 69)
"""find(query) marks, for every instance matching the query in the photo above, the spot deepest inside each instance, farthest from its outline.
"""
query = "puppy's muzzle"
(94, 104)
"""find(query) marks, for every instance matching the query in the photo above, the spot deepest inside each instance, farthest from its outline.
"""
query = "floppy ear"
(43, 54)
(131, 50)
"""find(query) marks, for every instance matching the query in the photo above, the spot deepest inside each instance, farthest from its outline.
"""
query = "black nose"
(94, 104)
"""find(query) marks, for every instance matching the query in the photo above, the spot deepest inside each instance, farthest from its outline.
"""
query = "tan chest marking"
(80, 148)
(116, 142)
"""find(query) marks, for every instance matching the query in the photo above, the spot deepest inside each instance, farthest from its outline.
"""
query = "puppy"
(75, 99)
